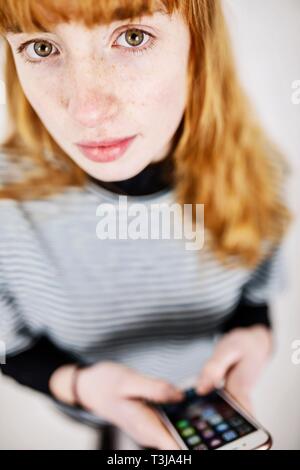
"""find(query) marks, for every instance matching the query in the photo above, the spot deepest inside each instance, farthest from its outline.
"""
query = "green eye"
(134, 37)
(136, 41)
(42, 48)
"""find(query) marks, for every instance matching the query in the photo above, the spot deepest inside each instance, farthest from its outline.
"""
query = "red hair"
(222, 157)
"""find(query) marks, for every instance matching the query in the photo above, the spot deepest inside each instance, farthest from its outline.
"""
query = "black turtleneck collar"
(155, 177)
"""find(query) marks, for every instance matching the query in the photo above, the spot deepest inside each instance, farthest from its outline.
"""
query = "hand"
(118, 394)
(237, 361)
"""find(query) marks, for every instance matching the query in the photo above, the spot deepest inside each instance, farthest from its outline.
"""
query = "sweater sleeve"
(267, 279)
(14, 335)
(34, 366)
(27, 358)
(245, 315)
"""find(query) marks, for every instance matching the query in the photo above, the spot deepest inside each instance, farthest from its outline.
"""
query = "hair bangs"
(18, 16)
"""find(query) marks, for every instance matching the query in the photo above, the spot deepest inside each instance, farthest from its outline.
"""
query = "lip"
(105, 151)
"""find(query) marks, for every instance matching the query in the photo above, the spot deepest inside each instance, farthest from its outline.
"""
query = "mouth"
(105, 151)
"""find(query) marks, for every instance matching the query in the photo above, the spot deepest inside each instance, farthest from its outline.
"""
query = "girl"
(138, 98)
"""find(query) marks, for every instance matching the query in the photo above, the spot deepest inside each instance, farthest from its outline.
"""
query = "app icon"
(222, 427)
(215, 419)
(200, 425)
(183, 423)
(215, 443)
(208, 433)
(193, 411)
(201, 447)
(229, 435)
(236, 421)
(193, 440)
(188, 432)
(208, 412)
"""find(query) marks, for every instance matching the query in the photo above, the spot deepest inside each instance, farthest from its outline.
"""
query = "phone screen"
(206, 422)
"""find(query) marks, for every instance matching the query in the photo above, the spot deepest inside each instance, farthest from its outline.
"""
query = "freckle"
(63, 101)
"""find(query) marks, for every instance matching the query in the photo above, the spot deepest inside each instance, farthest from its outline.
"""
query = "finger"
(240, 381)
(242, 398)
(244, 375)
(151, 389)
(225, 356)
(143, 425)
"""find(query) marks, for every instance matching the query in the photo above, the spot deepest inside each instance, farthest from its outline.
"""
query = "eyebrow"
(17, 31)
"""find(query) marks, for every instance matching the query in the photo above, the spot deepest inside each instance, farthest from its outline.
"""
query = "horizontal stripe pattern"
(150, 304)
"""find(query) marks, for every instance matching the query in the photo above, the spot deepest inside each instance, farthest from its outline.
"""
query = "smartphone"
(213, 422)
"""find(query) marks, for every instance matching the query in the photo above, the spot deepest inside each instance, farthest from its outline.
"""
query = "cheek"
(171, 94)
(39, 91)
(164, 102)
(42, 103)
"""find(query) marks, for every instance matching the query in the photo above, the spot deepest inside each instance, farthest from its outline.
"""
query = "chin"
(109, 175)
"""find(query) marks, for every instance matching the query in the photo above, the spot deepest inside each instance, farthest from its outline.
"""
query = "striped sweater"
(68, 296)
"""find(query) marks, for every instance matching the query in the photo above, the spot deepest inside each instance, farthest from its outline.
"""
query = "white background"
(266, 37)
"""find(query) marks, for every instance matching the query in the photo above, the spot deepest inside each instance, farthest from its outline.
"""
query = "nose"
(90, 98)
(90, 108)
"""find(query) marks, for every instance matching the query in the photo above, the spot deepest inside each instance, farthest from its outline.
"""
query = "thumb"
(240, 381)
(151, 389)
(144, 425)
(216, 368)
(243, 399)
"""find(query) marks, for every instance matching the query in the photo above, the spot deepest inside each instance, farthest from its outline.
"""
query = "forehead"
(17, 16)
